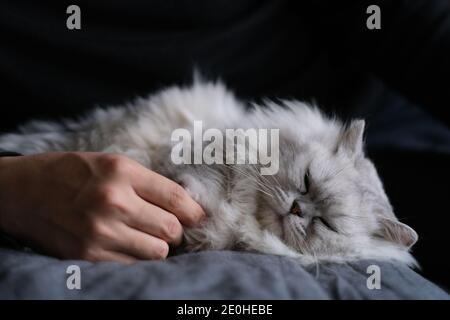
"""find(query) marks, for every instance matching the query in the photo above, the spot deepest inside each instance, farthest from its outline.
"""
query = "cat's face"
(327, 199)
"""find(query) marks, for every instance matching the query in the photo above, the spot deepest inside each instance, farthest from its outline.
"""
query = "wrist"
(6, 158)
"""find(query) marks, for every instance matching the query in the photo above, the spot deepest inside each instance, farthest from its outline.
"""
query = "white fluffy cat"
(326, 202)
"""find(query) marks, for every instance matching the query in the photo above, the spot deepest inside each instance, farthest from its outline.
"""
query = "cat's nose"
(296, 209)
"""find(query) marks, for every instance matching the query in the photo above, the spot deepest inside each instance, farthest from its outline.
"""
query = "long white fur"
(240, 217)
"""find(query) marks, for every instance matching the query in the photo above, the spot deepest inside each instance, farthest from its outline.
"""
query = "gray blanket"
(206, 275)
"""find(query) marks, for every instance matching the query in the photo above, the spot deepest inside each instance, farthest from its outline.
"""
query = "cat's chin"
(294, 234)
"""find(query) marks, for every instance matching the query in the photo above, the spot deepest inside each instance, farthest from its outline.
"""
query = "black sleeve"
(4, 153)
(410, 53)
(6, 240)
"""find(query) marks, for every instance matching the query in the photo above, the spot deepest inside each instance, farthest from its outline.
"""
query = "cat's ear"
(351, 140)
(397, 232)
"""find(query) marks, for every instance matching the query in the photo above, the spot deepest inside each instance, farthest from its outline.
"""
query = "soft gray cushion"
(206, 275)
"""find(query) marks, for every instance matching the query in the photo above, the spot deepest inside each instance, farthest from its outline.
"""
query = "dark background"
(397, 77)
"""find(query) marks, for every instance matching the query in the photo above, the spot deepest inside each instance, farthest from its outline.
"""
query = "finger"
(140, 245)
(115, 257)
(63, 244)
(166, 194)
(157, 222)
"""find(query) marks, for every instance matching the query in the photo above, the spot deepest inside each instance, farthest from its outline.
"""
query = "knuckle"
(97, 230)
(177, 196)
(109, 196)
(114, 163)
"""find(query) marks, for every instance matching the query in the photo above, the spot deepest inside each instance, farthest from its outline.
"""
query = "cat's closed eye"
(306, 184)
(325, 223)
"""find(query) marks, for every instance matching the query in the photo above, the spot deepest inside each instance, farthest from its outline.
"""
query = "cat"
(326, 203)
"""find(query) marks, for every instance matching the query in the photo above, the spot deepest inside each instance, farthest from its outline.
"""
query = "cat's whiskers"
(274, 187)
(272, 176)
(257, 177)
(256, 183)
(316, 264)
(311, 253)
